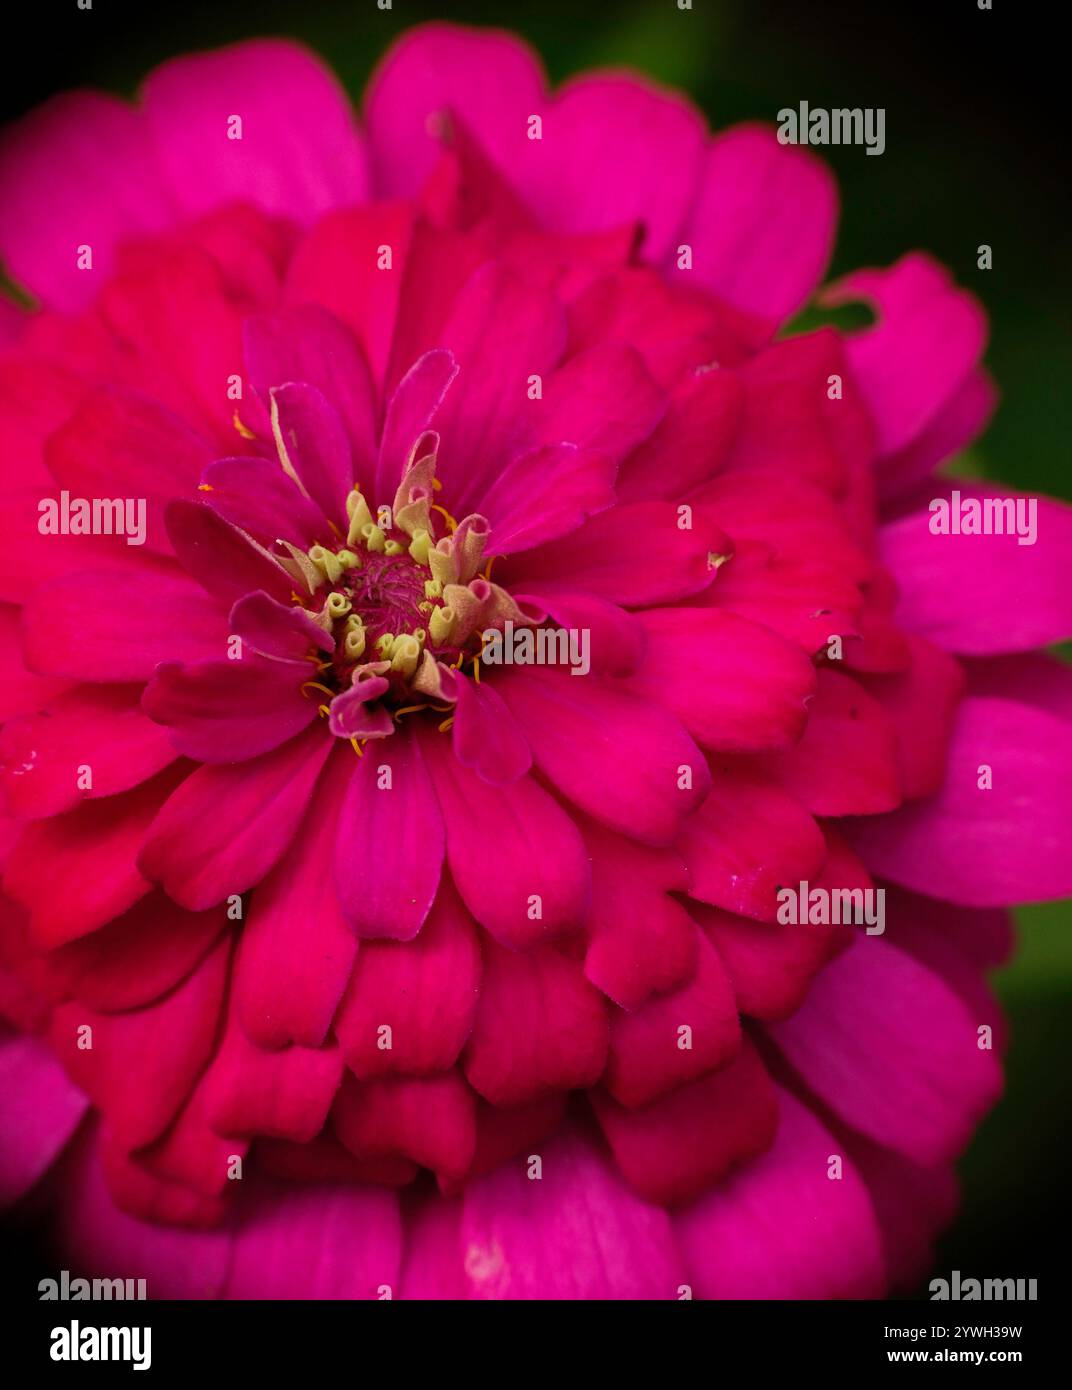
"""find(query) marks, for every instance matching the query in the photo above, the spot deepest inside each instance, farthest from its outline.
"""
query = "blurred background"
(976, 151)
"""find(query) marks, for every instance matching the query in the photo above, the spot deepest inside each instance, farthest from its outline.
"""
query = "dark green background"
(974, 154)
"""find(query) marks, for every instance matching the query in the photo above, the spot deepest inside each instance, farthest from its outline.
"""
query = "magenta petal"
(119, 444)
(311, 437)
(43, 757)
(486, 736)
(177, 1263)
(617, 149)
(39, 1111)
(762, 226)
(580, 732)
(300, 153)
(255, 495)
(425, 991)
(502, 330)
(960, 420)
(410, 410)
(734, 685)
(916, 1080)
(297, 949)
(201, 854)
(491, 79)
(747, 840)
(318, 1241)
(579, 1233)
(982, 595)
(546, 493)
(780, 1228)
(617, 638)
(228, 711)
(389, 845)
(632, 555)
(223, 559)
(281, 631)
(124, 629)
(539, 856)
(112, 190)
(307, 343)
(928, 338)
(981, 846)
(602, 399)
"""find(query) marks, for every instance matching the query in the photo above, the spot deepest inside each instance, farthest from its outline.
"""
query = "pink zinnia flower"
(475, 972)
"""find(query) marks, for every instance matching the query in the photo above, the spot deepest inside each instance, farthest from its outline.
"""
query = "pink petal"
(257, 497)
(762, 226)
(281, 631)
(142, 1064)
(486, 736)
(119, 444)
(538, 855)
(893, 1052)
(747, 840)
(960, 420)
(124, 629)
(40, 1111)
(781, 1227)
(647, 1055)
(617, 150)
(317, 448)
(111, 190)
(489, 78)
(297, 949)
(174, 1263)
(631, 555)
(228, 711)
(546, 493)
(44, 756)
(674, 1149)
(306, 343)
(922, 703)
(429, 1119)
(540, 1026)
(223, 559)
(846, 762)
(578, 737)
(389, 844)
(137, 957)
(299, 152)
(734, 685)
(413, 404)
(501, 331)
(200, 855)
(983, 594)
(87, 859)
(578, 1233)
(640, 939)
(324, 1241)
(928, 338)
(985, 848)
(423, 991)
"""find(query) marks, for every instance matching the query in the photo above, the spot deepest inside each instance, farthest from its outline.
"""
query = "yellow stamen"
(315, 685)
(326, 563)
(443, 511)
(446, 724)
(338, 605)
(240, 427)
(373, 537)
(420, 545)
(356, 746)
(393, 548)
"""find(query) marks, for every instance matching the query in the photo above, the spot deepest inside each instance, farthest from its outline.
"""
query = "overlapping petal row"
(386, 922)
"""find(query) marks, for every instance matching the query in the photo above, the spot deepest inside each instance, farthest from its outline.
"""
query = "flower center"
(404, 603)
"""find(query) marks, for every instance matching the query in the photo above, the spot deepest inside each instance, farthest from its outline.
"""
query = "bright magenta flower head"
(458, 977)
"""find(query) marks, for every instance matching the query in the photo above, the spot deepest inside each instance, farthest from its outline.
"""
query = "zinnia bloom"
(341, 962)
